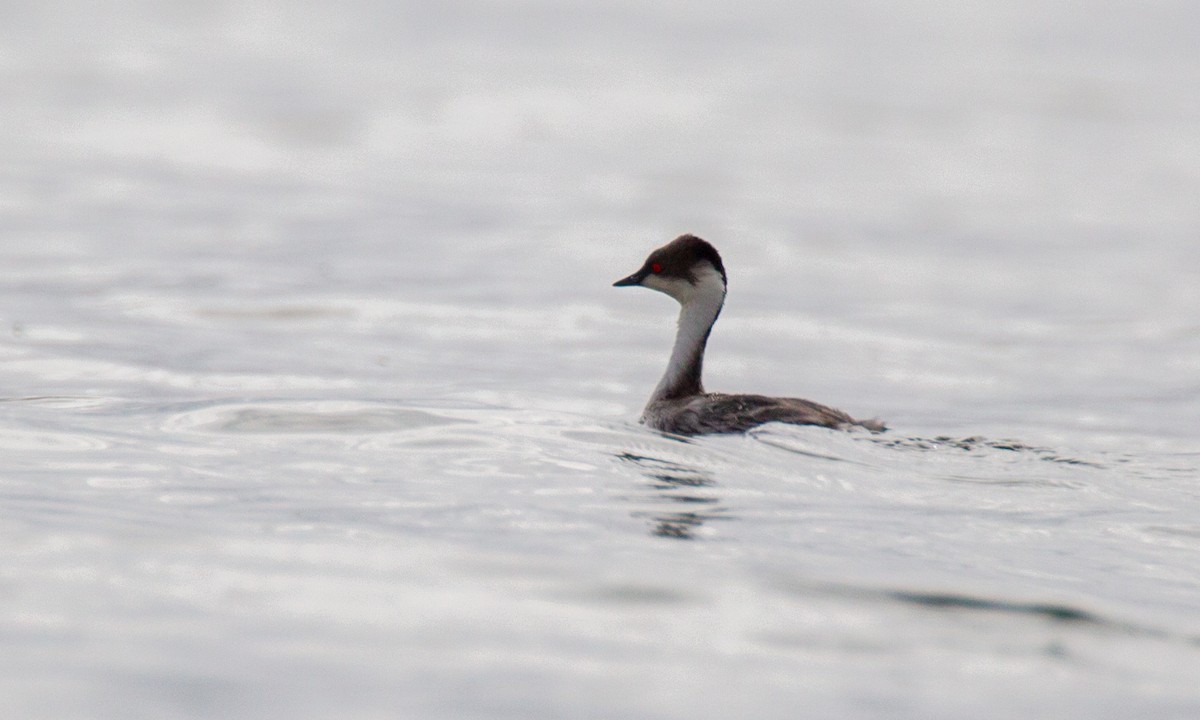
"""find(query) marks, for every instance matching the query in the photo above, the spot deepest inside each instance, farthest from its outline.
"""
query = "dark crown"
(679, 257)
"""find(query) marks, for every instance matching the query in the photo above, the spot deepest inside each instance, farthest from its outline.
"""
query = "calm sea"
(316, 401)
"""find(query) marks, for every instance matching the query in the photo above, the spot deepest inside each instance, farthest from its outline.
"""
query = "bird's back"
(721, 413)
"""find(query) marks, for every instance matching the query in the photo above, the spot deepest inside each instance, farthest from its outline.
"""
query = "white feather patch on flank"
(701, 303)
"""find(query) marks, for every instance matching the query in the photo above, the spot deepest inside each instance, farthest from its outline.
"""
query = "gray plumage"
(721, 413)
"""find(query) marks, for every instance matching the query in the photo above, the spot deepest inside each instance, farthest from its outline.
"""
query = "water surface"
(315, 399)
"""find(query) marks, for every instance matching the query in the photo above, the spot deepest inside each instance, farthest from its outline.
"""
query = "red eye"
(656, 268)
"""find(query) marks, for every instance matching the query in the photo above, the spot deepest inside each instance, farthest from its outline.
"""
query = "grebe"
(690, 270)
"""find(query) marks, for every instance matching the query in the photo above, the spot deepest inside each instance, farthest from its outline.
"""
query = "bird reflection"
(677, 483)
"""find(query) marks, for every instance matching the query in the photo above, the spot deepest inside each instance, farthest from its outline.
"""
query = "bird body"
(691, 271)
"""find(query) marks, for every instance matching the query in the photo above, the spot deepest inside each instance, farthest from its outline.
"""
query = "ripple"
(639, 594)
(967, 460)
(12, 439)
(978, 444)
(120, 482)
(65, 402)
(1184, 531)
(956, 602)
(181, 310)
(276, 312)
(443, 441)
(191, 499)
(306, 418)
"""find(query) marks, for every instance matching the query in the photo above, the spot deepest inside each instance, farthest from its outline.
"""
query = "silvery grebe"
(690, 270)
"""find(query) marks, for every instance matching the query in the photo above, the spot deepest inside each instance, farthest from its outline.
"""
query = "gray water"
(316, 401)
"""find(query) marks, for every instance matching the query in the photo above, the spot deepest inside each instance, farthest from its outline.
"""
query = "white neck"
(701, 304)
